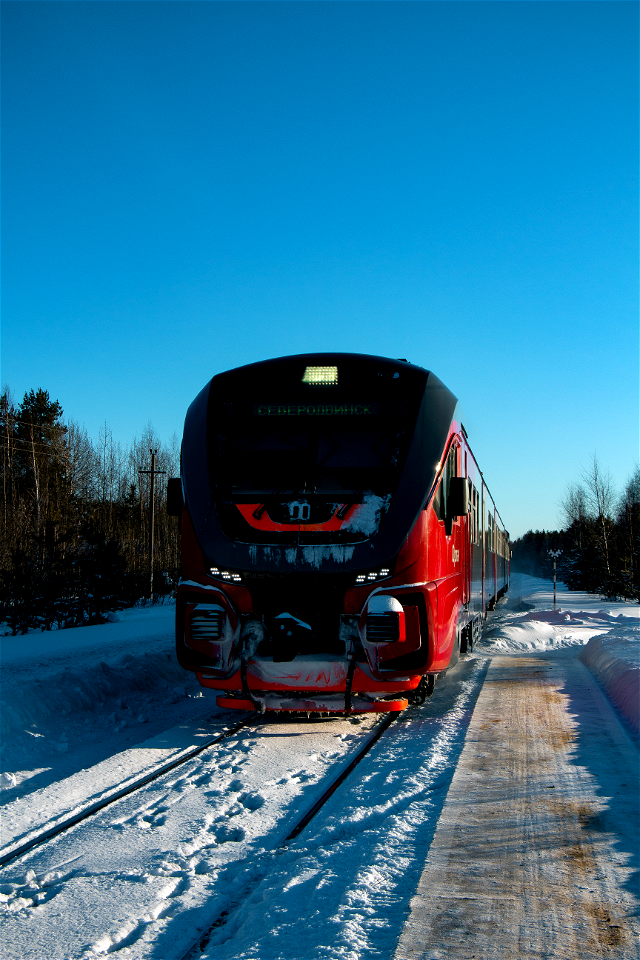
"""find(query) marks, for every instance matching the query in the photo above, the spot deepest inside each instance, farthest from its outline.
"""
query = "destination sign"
(315, 409)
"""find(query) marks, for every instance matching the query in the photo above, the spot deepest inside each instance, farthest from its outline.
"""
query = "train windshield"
(298, 448)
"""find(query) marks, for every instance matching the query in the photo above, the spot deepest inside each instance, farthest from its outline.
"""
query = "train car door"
(450, 582)
(483, 541)
(495, 554)
(466, 555)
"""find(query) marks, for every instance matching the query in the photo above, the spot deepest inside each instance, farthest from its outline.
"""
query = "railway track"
(203, 940)
(41, 835)
(146, 859)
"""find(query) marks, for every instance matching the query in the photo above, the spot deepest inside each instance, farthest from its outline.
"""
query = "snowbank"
(73, 697)
(614, 660)
(545, 629)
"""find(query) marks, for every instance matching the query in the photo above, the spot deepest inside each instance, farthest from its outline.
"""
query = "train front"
(302, 479)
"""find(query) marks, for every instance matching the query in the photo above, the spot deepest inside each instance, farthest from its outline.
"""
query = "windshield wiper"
(344, 509)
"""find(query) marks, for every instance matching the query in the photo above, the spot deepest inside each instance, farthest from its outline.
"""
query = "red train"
(340, 548)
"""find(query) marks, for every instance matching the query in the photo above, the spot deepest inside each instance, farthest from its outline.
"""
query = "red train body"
(340, 548)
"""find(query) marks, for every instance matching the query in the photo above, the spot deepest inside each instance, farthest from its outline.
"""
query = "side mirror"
(174, 497)
(458, 499)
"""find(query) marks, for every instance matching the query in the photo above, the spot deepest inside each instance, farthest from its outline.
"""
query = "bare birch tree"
(601, 501)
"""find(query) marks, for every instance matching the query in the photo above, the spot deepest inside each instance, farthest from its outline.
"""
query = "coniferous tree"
(530, 553)
(41, 459)
(628, 537)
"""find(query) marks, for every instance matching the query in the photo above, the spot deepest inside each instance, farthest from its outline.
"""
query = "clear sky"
(190, 186)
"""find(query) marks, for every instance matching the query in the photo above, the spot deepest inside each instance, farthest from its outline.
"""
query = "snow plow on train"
(340, 547)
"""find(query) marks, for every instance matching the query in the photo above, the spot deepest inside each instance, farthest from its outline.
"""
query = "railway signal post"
(555, 554)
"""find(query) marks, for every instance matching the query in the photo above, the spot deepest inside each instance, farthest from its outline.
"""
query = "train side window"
(437, 501)
(476, 516)
(472, 518)
(472, 512)
(442, 492)
(451, 470)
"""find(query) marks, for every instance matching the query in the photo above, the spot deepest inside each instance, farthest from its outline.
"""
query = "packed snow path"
(533, 854)
(191, 866)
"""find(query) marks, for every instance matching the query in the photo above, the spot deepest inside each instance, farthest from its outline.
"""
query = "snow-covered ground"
(82, 708)
(71, 698)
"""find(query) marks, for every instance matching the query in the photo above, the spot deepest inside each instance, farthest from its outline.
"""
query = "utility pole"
(152, 475)
(555, 554)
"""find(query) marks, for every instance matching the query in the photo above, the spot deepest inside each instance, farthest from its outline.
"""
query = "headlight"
(231, 576)
(373, 575)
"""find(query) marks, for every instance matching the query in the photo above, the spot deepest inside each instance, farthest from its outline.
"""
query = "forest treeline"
(599, 540)
(74, 539)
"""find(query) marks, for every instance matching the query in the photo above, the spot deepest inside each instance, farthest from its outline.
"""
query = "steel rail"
(13, 852)
(301, 824)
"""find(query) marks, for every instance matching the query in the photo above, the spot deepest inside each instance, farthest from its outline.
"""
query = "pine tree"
(628, 537)
(41, 457)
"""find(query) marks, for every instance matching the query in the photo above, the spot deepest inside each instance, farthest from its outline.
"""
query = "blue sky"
(190, 186)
